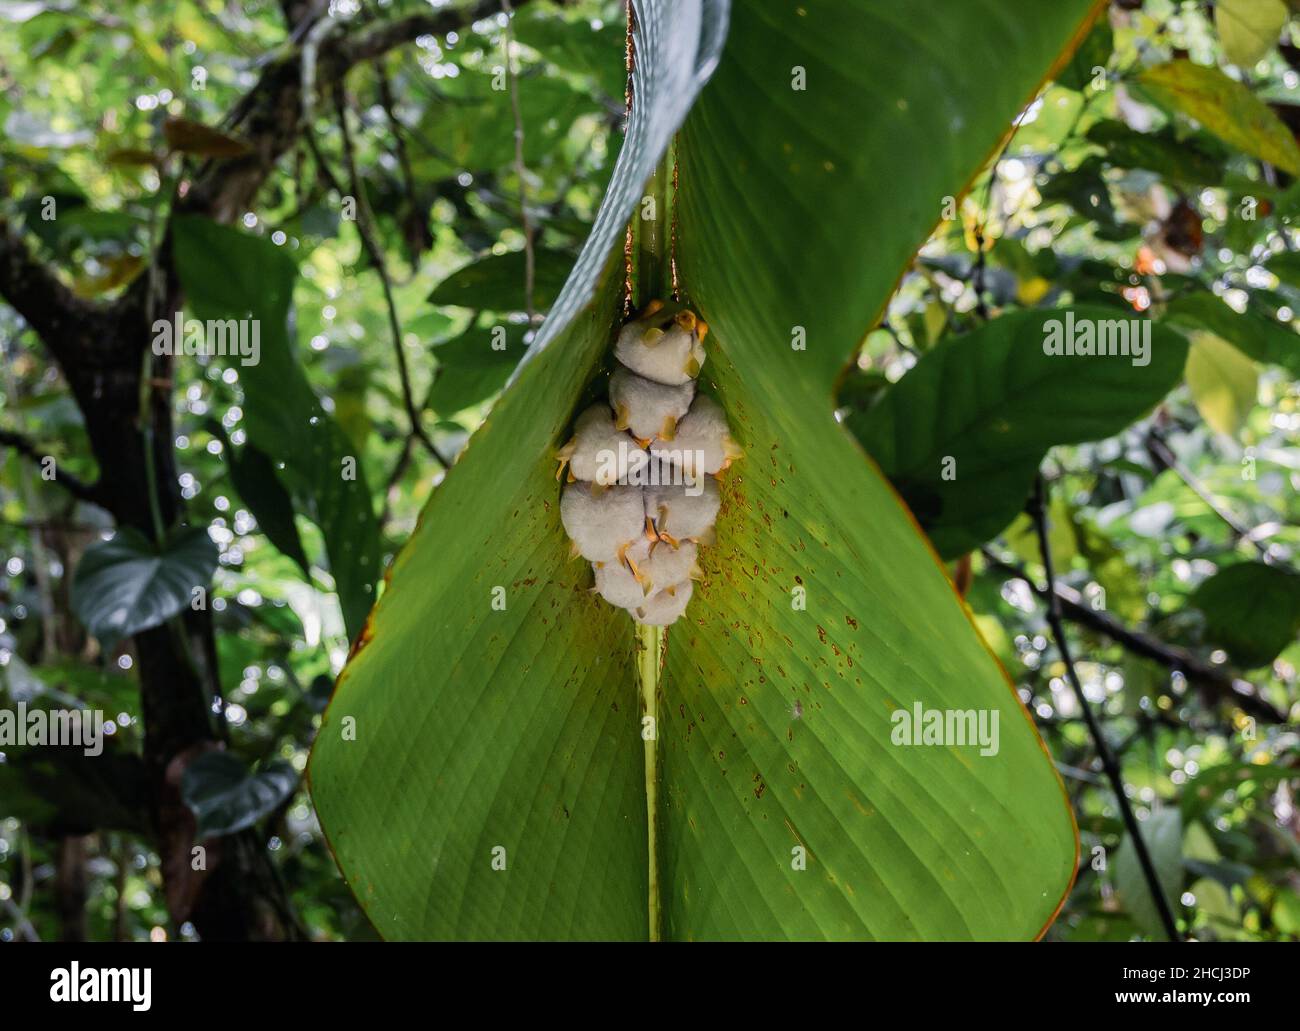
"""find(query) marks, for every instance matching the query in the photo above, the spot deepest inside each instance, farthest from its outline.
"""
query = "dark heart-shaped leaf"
(127, 583)
(226, 796)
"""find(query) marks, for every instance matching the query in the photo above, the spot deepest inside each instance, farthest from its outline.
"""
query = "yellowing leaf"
(123, 157)
(189, 137)
(1214, 902)
(936, 321)
(1224, 107)
(1031, 291)
(1022, 536)
(1223, 382)
(1248, 29)
(117, 272)
(978, 229)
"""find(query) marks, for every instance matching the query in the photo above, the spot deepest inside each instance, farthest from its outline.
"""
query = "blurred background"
(408, 202)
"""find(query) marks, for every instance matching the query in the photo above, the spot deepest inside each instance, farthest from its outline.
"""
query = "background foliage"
(1156, 174)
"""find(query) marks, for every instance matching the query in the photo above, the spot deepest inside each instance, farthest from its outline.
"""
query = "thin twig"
(1038, 512)
(395, 477)
(521, 170)
(404, 456)
(1221, 681)
(79, 489)
(60, 525)
(418, 218)
(309, 57)
(366, 230)
(1163, 455)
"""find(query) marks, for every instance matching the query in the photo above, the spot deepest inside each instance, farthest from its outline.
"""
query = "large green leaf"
(128, 583)
(228, 274)
(962, 434)
(460, 729)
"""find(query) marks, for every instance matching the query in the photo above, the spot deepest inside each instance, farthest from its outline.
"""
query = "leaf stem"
(653, 222)
(649, 275)
(650, 645)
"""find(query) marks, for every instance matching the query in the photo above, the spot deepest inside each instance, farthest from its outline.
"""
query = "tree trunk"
(234, 893)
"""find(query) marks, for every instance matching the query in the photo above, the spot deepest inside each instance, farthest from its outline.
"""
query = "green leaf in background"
(1181, 161)
(473, 122)
(65, 791)
(1249, 29)
(1126, 594)
(1224, 382)
(1286, 911)
(1084, 189)
(496, 283)
(1252, 610)
(229, 274)
(1229, 784)
(1286, 266)
(128, 583)
(253, 475)
(1254, 335)
(962, 434)
(474, 365)
(515, 729)
(226, 796)
(352, 410)
(1163, 833)
(1226, 108)
(576, 45)
(1022, 536)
